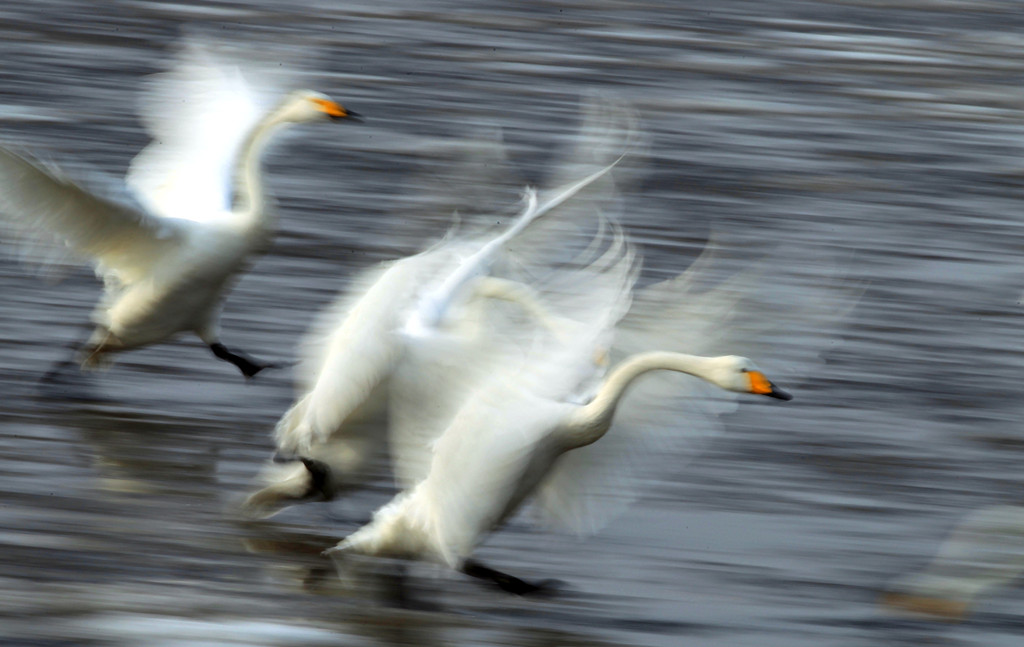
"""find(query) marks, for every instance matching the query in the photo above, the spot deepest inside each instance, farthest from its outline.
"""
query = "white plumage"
(414, 336)
(560, 430)
(515, 431)
(169, 240)
(419, 317)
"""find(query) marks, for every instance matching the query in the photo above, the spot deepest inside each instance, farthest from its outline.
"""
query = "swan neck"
(250, 200)
(595, 418)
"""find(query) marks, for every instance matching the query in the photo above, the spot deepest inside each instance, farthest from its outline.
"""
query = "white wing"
(501, 441)
(437, 376)
(452, 341)
(349, 354)
(198, 115)
(488, 335)
(608, 129)
(499, 398)
(121, 238)
(604, 147)
(477, 471)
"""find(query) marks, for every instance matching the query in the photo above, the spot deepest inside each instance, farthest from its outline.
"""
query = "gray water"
(892, 130)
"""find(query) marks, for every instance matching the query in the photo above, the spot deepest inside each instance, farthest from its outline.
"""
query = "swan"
(558, 429)
(499, 449)
(170, 239)
(370, 353)
(424, 316)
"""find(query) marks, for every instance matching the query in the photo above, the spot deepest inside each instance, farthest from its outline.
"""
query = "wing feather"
(198, 114)
(348, 354)
(120, 236)
(711, 309)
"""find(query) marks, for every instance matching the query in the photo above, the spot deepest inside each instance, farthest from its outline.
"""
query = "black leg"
(248, 366)
(506, 582)
(320, 472)
(74, 348)
(59, 368)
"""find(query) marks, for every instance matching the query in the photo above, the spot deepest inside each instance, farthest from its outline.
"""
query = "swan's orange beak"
(761, 385)
(335, 110)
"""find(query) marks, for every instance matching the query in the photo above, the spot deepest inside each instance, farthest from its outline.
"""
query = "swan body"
(503, 444)
(170, 239)
(561, 431)
(410, 299)
(413, 338)
(371, 352)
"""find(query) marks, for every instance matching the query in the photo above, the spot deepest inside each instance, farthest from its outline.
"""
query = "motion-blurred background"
(886, 134)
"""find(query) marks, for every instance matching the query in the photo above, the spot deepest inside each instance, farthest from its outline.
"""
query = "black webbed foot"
(514, 585)
(320, 473)
(59, 370)
(247, 365)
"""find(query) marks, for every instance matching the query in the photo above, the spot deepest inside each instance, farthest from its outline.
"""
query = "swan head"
(735, 373)
(308, 105)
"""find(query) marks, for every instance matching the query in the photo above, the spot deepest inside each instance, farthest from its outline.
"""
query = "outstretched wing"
(59, 215)
(507, 328)
(603, 149)
(198, 114)
(711, 309)
(350, 353)
(438, 374)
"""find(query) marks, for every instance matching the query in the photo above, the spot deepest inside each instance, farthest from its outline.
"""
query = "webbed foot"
(247, 365)
(514, 585)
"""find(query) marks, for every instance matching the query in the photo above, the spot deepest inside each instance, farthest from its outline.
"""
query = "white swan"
(416, 317)
(556, 429)
(169, 241)
(501, 446)
(424, 316)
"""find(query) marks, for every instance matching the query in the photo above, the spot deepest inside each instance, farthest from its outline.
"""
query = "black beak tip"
(349, 116)
(780, 394)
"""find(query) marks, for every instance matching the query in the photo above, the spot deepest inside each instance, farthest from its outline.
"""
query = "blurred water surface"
(892, 130)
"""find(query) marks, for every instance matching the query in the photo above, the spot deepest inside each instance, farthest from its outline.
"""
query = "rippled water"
(892, 130)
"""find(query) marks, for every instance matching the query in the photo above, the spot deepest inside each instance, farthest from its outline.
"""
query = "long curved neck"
(591, 421)
(250, 200)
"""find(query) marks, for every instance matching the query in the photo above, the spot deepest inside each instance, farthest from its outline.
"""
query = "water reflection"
(136, 453)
